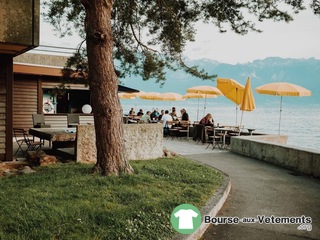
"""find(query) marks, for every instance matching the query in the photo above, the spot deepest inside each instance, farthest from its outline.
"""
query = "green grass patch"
(65, 201)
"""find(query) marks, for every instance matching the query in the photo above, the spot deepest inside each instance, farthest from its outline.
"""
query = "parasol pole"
(236, 115)
(198, 111)
(280, 114)
(241, 122)
(236, 107)
(205, 103)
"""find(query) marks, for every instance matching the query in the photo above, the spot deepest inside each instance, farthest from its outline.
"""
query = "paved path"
(258, 188)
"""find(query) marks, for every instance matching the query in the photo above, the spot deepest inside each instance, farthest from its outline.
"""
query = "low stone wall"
(142, 142)
(273, 149)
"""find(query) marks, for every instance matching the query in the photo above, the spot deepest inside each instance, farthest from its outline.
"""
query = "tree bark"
(103, 82)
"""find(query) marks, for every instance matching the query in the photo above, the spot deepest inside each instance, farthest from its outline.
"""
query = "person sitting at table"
(161, 115)
(140, 113)
(174, 114)
(132, 112)
(146, 117)
(207, 120)
(155, 114)
(165, 118)
(184, 115)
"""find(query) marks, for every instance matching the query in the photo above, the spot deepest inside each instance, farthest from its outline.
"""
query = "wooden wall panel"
(6, 66)
(2, 114)
(25, 101)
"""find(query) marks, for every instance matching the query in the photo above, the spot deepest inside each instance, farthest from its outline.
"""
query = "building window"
(70, 101)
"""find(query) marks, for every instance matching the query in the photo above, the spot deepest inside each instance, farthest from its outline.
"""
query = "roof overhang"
(126, 89)
(37, 70)
(14, 49)
(19, 31)
(31, 69)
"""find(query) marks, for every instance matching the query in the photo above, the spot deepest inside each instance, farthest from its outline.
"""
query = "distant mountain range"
(303, 72)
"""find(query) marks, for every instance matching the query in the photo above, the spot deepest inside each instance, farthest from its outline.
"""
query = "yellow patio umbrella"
(248, 103)
(283, 89)
(169, 96)
(149, 95)
(124, 95)
(206, 90)
(232, 90)
(198, 96)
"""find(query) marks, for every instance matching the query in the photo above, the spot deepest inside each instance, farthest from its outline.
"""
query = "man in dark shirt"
(184, 115)
(140, 113)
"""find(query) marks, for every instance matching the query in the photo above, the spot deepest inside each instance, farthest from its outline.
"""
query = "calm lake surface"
(300, 123)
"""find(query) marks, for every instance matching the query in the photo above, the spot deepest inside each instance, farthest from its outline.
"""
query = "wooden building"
(36, 78)
(35, 82)
(19, 32)
(28, 81)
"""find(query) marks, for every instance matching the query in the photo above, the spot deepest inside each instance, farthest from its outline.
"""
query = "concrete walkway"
(258, 188)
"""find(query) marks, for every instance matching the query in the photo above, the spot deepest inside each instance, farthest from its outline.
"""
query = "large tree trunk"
(103, 84)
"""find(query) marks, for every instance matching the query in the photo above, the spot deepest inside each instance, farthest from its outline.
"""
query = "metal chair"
(73, 120)
(38, 121)
(19, 137)
(185, 131)
(22, 138)
(216, 140)
(31, 144)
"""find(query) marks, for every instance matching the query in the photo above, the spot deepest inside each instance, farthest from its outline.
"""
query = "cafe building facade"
(36, 90)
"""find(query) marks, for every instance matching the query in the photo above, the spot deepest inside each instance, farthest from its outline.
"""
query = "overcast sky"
(298, 39)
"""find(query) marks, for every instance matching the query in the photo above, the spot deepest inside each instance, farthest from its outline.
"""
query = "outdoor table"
(173, 133)
(250, 130)
(224, 132)
(60, 137)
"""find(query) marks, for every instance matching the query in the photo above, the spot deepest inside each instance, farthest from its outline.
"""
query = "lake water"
(300, 123)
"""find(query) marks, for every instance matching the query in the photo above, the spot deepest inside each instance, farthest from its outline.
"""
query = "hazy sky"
(298, 39)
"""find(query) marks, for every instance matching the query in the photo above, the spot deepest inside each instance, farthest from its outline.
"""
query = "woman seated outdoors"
(207, 120)
(200, 131)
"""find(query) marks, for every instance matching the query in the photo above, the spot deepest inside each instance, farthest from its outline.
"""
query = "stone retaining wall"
(273, 149)
(142, 142)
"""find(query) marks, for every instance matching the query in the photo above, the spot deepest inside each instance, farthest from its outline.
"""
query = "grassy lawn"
(65, 201)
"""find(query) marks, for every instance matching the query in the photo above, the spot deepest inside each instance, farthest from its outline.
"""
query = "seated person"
(207, 120)
(155, 114)
(165, 118)
(184, 115)
(146, 117)
(174, 114)
(140, 113)
(132, 112)
(161, 115)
